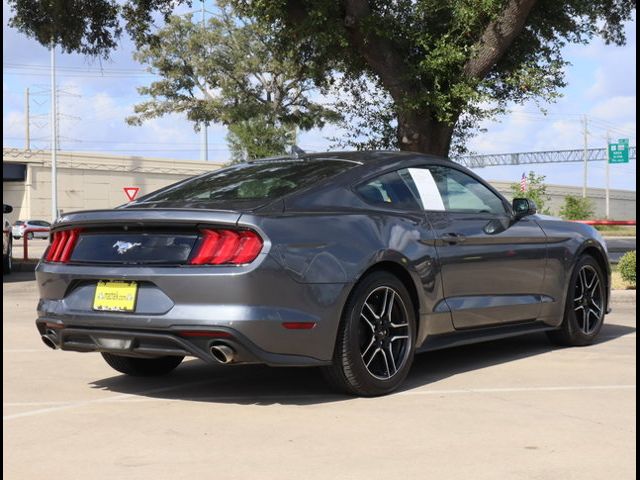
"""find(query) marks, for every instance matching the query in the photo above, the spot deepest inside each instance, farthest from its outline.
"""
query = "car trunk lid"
(134, 236)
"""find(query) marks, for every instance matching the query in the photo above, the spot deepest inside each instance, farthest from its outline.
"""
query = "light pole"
(54, 136)
(27, 134)
(585, 154)
(608, 177)
(205, 138)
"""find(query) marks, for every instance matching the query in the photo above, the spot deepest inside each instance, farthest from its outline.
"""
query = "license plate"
(115, 296)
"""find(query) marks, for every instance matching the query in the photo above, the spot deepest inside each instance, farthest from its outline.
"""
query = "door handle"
(453, 238)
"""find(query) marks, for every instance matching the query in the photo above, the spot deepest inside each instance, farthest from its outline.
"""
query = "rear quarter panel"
(340, 247)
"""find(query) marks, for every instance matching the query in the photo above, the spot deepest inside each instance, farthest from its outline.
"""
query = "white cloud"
(616, 109)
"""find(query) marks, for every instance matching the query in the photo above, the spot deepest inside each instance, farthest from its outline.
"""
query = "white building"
(93, 181)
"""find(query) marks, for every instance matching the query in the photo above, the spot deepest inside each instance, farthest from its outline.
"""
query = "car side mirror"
(6, 208)
(523, 207)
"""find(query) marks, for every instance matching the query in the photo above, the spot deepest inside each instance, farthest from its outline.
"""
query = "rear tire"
(376, 338)
(585, 306)
(142, 367)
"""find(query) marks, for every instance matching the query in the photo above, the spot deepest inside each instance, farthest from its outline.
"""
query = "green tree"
(227, 73)
(257, 138)
(576, 208)
(535, 190)
(442, 64)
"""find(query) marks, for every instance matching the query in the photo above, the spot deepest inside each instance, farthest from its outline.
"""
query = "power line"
(79, 69)
(85, 75)
(41, 70)
(603, 124)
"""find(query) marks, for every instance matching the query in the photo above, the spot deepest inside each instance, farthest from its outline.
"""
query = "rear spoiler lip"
(147, 216)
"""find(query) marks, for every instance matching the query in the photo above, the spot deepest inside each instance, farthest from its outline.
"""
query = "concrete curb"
(623, 296)
(24, 266)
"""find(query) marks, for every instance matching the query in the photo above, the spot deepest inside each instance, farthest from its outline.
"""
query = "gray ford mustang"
(348, 261)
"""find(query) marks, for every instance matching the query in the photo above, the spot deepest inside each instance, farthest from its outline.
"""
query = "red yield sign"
(131, 192)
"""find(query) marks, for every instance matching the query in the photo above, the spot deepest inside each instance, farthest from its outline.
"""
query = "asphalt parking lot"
(512, 409)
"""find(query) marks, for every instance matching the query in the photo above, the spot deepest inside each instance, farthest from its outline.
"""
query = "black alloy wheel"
(376, 340)
(585, 305)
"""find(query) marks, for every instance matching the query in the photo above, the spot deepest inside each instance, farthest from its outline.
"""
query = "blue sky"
(97, 96)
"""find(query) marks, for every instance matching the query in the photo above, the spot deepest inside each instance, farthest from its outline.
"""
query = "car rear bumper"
(170, 342)
(253, 306)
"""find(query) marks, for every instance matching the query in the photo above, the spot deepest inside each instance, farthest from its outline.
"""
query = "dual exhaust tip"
(222, 353)
(48, 341)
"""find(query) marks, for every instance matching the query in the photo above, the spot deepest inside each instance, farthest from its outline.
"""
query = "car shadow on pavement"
(16, 277)
(261, 385)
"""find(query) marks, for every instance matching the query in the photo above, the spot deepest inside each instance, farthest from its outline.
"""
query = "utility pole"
(585, 154)
(27, 136)
(54, 136)
(608, 176)
(204, 155)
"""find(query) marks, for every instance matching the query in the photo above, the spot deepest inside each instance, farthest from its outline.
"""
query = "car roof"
(367, 162)
(367, 157)
(371, 163)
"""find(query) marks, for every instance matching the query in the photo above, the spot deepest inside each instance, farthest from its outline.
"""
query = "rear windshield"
(256, 181)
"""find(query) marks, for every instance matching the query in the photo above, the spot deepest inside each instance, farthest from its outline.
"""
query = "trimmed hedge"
(627, 267)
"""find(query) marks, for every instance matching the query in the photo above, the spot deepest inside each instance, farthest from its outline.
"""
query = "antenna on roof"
(297, 152)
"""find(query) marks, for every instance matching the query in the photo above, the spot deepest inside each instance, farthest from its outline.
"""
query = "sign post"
(616, 153)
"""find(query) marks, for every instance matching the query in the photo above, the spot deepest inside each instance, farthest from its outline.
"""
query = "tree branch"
(378, 52)
(497, 38)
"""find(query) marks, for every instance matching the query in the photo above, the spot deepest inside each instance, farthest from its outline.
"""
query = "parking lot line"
(114, 398)
(563, 388)
(33, 404)
(25, 350)
(135, 397)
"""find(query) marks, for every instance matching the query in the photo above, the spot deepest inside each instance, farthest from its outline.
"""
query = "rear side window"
(433, 188)
(462, 193)
(258, 181)
(389, 190)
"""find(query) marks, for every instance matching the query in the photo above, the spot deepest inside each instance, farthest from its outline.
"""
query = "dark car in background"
(350, 261)
(7, 243)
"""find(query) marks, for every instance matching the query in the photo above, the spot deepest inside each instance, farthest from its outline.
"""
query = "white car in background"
(20, 226)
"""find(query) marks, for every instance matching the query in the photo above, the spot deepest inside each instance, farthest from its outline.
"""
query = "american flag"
(523, 183)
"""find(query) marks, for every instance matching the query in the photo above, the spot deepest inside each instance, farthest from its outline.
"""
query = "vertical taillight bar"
(62, 245)
(72, 238)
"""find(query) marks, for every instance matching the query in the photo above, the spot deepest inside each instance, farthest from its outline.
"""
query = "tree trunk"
(419, 132)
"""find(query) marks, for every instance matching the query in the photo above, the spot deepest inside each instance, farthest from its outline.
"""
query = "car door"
(492, 267)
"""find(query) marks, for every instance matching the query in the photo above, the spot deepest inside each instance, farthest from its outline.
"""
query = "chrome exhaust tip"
(49, 342)
(223, 353)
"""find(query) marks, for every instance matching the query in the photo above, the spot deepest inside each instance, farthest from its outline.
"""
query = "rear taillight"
(227, 247)
(62, 244)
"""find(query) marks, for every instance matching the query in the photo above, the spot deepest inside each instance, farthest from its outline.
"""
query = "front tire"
(376, 338)
(585, 306)
(142, 367)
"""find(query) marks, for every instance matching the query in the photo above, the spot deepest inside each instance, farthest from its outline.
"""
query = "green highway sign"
(619, 152)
